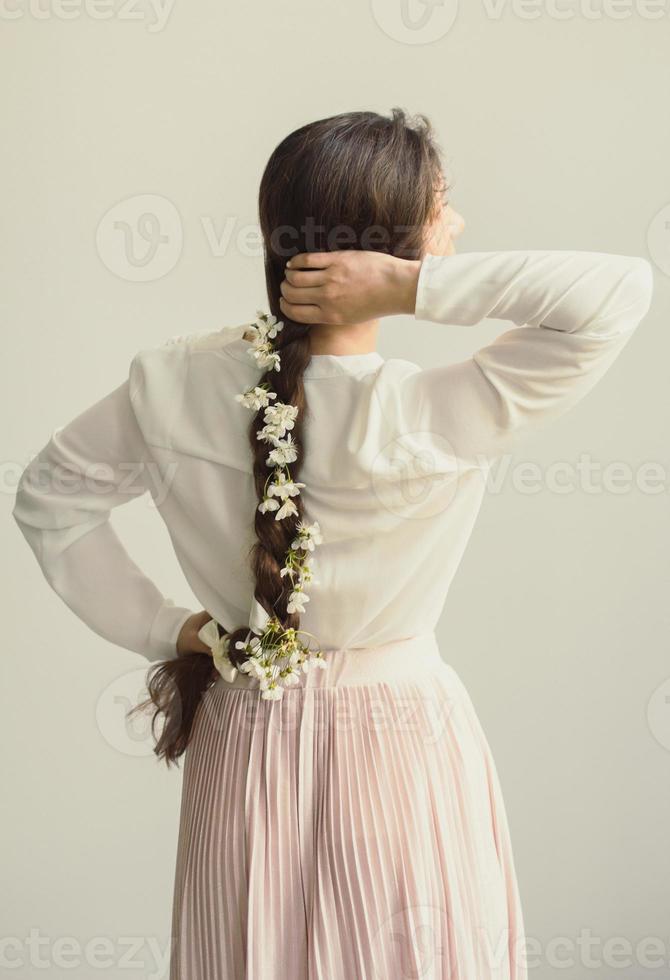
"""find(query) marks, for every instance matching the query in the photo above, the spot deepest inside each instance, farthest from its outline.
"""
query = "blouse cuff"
(165, 631)
(442, 289)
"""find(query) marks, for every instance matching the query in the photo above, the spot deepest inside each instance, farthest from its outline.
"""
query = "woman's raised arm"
(574, 312)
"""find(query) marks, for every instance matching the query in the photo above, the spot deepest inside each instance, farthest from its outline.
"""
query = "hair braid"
(274, 537)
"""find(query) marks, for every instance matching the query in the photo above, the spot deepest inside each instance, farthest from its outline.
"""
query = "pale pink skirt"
(353, 830)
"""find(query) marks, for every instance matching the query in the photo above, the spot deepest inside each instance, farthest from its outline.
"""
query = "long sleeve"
(63, 503)
(574, 312)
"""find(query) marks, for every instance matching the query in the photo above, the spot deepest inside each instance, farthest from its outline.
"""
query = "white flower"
(309, 535)
(268, 324)
(291, 679)
(313, 662)
(283, 486)
(252, 646)
(272, 694)
(280, 417)
(287, 509)
(253, 667)
(267, 435)
(267, 504)
(296, 601)
(283, 453)
(265, 357)
(256, 398)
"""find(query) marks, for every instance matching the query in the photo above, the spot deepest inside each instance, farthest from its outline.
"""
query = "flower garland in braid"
(275, 655)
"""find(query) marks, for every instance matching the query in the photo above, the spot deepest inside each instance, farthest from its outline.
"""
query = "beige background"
(555, 123)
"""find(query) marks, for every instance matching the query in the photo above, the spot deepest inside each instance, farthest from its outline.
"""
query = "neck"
(344, 338)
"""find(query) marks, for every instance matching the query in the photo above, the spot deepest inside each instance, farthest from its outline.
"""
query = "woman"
(341, 812)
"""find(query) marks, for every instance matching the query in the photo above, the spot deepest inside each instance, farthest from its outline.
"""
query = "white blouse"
(395, 457)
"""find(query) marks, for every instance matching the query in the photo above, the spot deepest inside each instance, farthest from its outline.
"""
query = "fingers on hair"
(309, 277)
(303, 296)
(310, 260)
(301, 313)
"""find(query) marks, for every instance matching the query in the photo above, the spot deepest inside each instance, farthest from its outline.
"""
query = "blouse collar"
(320, 365)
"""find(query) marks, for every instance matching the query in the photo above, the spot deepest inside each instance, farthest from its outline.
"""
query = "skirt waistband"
(407, 659)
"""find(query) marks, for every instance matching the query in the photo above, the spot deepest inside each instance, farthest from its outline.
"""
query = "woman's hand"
(188, 640)
(348, 286)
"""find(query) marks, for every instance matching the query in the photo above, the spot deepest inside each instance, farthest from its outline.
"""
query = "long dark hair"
(358, 180)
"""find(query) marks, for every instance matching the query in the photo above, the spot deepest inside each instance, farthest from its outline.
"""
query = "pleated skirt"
(353, 830)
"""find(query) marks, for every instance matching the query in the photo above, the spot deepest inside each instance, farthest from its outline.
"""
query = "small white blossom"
(267, 504)
(252, 646)
(268, 324)
(309, 535)
(284, 452)
(280, 418)
(272, 694)
(253, 667)
(314, 663)
(265, 357)
(287, 509)
(256, 398)
(296, 601)
(283, 486)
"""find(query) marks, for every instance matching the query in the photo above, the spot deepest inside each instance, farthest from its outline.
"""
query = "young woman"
(341, 812)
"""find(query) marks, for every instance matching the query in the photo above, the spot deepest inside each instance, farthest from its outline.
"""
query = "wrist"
(404, 282)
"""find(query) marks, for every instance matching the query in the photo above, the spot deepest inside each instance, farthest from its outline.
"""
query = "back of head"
(358, 180)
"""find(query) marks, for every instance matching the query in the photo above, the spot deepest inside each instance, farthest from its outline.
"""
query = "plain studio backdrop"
(135, 138)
